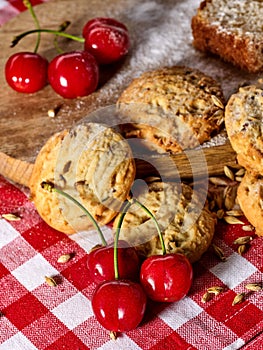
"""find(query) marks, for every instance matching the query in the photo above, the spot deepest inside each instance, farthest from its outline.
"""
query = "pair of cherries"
(71, 74)
(119, 304)
(119, 301)
(123, 283)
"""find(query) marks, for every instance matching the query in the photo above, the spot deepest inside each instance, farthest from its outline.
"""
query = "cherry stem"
(116, 238)
(129, 203)
(44, 30)
(29, 6)
(61, 28)
(155, 222)
(51, 188)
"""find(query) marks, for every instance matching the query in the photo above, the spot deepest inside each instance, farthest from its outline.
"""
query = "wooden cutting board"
(24, 122)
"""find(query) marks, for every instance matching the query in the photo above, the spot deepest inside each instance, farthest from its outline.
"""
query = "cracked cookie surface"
(185, 222)
(173, 108)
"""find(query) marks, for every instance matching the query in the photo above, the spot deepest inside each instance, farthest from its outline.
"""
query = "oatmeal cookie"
(250, 198)
(244, 125)
(185, 222)
(92, 163)
(173, 108)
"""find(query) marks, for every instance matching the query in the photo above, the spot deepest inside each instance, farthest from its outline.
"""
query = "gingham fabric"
(9, 9)
(34, 315)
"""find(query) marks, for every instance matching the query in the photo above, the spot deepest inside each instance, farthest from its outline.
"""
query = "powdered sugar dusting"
(234, 13)
(161, 35)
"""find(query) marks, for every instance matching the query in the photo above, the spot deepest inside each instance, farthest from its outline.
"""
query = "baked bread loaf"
(244, 125)
(250, 199)
(231, 29)
(185, 222)
(173, 108)
(92, 163)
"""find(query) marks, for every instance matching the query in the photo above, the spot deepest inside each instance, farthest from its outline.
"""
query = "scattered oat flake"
(229, 173)
(64, 258)
(238, 178)
(218, 181)
(220, 213)
(240, 172)
(234, 212)
(217, 102)
(254, 287)
(247, 228)
(233, 220)
(238, 298)
(215, 290)
(229, 197)
(11, 217)
(50, 281)
(241, 249)
(206, 297)
(243, 240)
(113, 335)
(219, 252)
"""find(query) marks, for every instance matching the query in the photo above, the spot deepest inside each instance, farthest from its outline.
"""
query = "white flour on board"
(162, 36)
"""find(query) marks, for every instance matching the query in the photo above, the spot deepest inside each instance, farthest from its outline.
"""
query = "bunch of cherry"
(71, 74)
(124, 284)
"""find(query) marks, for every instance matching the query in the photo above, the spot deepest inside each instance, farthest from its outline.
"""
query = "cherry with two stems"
(119, 305)
(167, 277)
(100, 259)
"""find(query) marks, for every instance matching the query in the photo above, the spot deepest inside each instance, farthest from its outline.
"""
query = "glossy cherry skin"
(100, 263)
(106, 39)
(100, 21)
(73, 74)
(26, 72)
(166, 278)
(119, 305)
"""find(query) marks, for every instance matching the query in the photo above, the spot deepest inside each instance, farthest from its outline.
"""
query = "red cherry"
(26, 72)
(73, 74)
(101, 262)
(166, 278)
(119, 305)
(98, 21)
(106, 39)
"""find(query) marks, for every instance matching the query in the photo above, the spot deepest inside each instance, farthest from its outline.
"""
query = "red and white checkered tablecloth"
(11, 8)
(34, 315)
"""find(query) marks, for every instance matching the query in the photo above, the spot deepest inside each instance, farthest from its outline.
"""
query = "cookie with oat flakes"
(250, 199)
(173, 108)
(244, 125)
(182, 214)
(92, 163)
